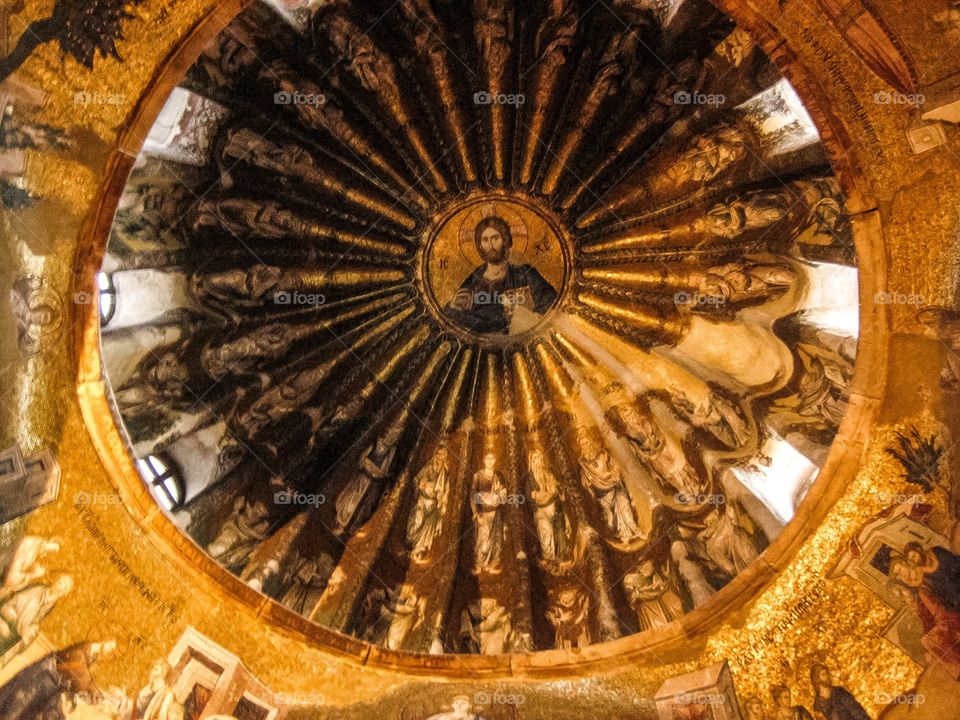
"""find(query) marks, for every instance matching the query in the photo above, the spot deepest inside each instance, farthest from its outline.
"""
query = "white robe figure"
(548, 514)
(426, 520)
(487, 504)
(603, 476)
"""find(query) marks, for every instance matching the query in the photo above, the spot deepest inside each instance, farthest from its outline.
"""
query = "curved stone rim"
(204, 573)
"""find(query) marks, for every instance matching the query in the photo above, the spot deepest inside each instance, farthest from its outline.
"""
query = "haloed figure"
(753, 710)
(548, 514)
(603, 477)
(660, 454)
(487, 299)
(929, 580)
(832, 701)
(785, 709)
(426, 520)
(488, 499)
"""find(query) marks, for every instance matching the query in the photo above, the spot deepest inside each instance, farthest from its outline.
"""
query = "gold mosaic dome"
(483, 331)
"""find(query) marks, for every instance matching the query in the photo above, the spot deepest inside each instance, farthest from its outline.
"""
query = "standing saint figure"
(661, 455)
(708, 155)
(486, 300)
(725, 541)
(432, 485)
(38, 312)
(25, 567)
(744, 281)
(306, 583)
(552, 525)
(832, 701)
(493, 28)
(487, 504)
(653, 598)
(356, 502)
(715, 414)
(822, 392)
(603, 477)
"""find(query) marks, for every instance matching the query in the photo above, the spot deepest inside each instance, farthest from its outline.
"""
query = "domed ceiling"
(489, 330)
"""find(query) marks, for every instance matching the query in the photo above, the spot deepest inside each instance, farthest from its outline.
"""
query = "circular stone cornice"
(672, 641)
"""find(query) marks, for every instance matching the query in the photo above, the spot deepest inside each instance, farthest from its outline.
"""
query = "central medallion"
(495, 266)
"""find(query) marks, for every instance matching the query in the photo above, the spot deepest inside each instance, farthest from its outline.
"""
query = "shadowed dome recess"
(464, 329)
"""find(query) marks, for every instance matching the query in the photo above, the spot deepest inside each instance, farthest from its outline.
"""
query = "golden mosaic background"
(907, 211)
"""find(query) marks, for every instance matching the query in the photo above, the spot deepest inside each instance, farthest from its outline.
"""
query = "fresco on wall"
(198, 678)
(908, 554)
(823, 697)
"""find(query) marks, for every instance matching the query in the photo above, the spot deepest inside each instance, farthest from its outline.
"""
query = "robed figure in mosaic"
(488, 500)
(833, 701)
(552, 526)
(432, 485)
(930, 581)
(603, 476)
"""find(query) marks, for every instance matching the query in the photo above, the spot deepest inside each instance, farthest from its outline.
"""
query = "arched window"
(164, 481)
(108, 297)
